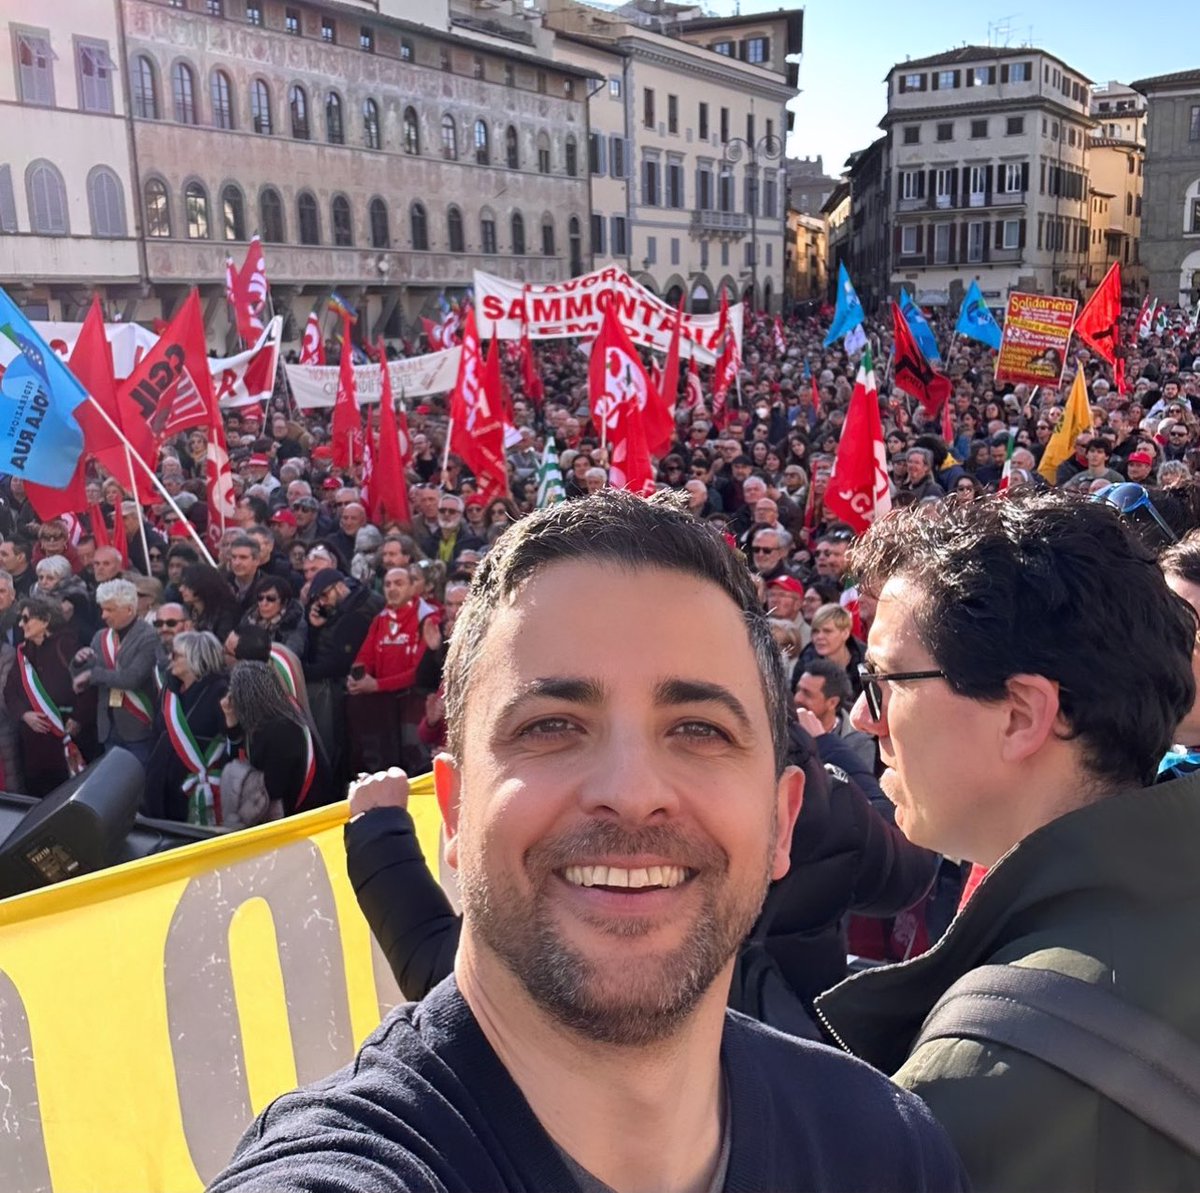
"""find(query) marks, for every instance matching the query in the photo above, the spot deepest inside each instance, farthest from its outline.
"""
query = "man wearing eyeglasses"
(1009, 747)
(452, 537)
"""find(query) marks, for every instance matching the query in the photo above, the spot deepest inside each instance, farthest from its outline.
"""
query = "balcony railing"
(973, 200)
(735, 223)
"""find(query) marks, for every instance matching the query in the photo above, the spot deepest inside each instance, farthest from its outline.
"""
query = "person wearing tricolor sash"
(268, 734)
(56, 728)
(119, 664)
(183, 776)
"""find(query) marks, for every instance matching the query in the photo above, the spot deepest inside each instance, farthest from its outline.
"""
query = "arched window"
(420, 226)
(370, 114)
(343, 225)
(575, 244)
(260, 106)
(449, 138)
(334, 132)
(454, 226)
(298, 103)
(221, 94)
(548, 247)
(412, 132)
(543, 153)
(518, 234)
(1191, 207)
(233, 213)
(158, 208)
(487, 233)
(106, 203)
(195, 211)
(512, 151)
(571, 152)
(270, 216)
(183, 88)
(47, 199)
(145, 88)
(309, 219)
(482, 153)
(380, 236)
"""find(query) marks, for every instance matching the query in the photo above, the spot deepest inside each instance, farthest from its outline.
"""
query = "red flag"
(91, 362)
(477, 432)
(693, 391)
(725, 370)
(780, 341)
(366, 480)
(171, 388)
(618, 389)
(498, 396)
(531, 380)
(660, 406)
(312, 347)
(347, 423)
(433, 333)
(1098, 324)
(389, 485)
(947, 423)
(858, 490)
(253, 285)
(912, 372)
(99, 526)
(222, 503)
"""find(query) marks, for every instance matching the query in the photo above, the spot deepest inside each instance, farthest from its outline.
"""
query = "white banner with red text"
(576, 307)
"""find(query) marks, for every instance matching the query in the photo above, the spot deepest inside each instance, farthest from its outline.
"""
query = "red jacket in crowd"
(393, 648)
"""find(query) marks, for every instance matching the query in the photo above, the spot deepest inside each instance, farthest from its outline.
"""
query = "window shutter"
(934, 83)
(8, 204)
(953, 187)
(1021, 235)
(931, 184)
(896, 240)
(903, 86)
(953, 241)
(1004, 73)
(1025, 176)
(958, 78)
(987, 184)
(920, 238)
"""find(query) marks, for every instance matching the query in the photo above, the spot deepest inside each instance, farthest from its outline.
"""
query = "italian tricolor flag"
(1007, 473)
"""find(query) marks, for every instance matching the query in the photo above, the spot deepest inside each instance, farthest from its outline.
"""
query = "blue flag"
(849, 311)
(975, 320)
(40, 440)
(921, 330)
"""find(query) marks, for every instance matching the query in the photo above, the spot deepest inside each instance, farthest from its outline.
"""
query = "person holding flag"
(56, 729)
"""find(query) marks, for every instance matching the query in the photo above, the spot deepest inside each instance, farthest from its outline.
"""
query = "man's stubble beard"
(654, 999)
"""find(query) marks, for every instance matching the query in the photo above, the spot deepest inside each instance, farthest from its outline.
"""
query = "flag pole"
(140, 516)
(136, 456)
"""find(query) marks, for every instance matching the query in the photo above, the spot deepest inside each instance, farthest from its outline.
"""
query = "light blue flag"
(40, 440)
(975, 320)
(921, 330)
(849, 311)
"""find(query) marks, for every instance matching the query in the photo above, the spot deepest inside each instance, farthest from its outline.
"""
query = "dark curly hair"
(1027, 584)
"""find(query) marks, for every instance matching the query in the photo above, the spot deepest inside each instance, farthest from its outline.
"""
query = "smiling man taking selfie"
(617, 801)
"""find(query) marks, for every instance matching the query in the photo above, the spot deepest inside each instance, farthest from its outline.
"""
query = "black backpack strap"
(1132, 1058)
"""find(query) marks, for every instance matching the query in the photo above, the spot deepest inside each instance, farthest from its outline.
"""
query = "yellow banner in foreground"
(148, 1012)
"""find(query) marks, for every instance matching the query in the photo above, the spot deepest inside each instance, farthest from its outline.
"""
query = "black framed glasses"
(167, 623)
(1129, 497)
(264, 597)
(871, 681)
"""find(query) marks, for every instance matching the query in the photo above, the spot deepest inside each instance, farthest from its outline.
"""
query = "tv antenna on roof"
(1000, 31)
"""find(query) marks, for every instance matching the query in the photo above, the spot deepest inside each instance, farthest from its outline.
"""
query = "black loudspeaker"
(79, 827)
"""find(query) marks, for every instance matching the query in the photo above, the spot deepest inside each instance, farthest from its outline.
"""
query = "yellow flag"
(1077, 417)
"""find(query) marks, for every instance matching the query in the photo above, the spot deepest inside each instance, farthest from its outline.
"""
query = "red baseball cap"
(259, 461)
(788, 584)
(284, 516)
(330, 483)
(324, 452)
(1141, 458)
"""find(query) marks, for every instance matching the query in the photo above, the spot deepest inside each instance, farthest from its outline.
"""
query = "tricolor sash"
(41, 701)
(203, 784)
(310, 767)
(282, 663)
(132, 702)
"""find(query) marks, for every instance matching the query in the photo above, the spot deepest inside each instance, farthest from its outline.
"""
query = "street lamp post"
(767, 148)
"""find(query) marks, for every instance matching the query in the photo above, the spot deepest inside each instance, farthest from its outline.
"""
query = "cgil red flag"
(1098, 324)
(99, 526)
(312, 346)
(347, 423)
(912, 373)
(531, 380)
(493, 379)
(858, 491)
(725, 370)
(693, 391)
(477, 430)
(389, 485)
(246, 292)
(618, 390)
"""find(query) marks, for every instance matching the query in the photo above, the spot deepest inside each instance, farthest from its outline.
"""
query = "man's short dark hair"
(184, 551)
(254, 643)
(21, 545)
(1016, 584)
(611, 527)
(246, 542)
(741, 460)
(1182, 559)
(833, 677)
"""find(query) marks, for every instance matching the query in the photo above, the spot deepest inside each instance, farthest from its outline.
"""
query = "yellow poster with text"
(149, 1012)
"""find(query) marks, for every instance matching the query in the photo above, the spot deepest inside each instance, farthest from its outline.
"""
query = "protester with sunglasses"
(56, 728)
(277, 611)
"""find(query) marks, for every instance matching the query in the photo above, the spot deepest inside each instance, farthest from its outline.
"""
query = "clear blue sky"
(849, 46)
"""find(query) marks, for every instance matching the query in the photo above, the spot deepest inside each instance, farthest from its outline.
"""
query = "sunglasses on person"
(268, 597)
(764, 550)
(24, 618)
(448, 509)
(167, 623)
(872, 680)
(1129, 497)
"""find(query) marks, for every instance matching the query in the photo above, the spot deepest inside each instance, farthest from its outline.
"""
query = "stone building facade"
(1116, 153)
